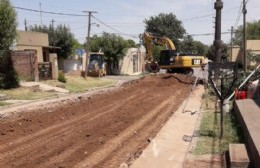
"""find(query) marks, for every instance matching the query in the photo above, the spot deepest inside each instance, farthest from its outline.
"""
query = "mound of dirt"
(99, 130)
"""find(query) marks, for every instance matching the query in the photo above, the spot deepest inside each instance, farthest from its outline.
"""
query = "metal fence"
(45, 71)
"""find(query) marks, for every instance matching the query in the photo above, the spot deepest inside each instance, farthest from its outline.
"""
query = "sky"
(126, 17)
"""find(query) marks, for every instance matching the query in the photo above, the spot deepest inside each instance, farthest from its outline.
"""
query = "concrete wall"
(54, 67)
(237, 54)
(133, 62)
(254, 46)
(38, 49)
(26, 64)
(32, 40)
(70, 65)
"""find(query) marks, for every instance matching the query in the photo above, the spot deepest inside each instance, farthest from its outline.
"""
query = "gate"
(45, 71)
(25, 64)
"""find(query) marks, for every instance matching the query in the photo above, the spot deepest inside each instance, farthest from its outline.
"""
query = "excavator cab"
(167, 57)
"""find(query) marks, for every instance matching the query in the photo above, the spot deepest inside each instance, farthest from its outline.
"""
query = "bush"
(8, 76)
(62, 78)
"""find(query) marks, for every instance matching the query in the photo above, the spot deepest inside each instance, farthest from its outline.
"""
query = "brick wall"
(26, 64)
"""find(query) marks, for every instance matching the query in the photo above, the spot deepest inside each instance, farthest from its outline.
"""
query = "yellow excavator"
(169, 58)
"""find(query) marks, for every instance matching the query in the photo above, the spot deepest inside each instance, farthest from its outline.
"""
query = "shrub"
(8, 76)
(62, 78)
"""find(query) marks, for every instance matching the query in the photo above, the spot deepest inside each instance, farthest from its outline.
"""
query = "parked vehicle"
(97, 65)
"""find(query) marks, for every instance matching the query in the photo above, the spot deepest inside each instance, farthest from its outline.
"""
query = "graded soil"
(106, 129)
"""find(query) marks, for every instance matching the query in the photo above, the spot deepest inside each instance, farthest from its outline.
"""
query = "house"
(237, 54)
(39, 43)
(133, 62)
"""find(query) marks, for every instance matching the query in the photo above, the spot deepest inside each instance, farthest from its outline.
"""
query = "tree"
(65, 40)
(7, 25)
(253, 32)
(131, 43)
(112, 45)
(166, 25)
(224, 52)
(8, 76)
(60, 36)
(188, 45)
(201, 48)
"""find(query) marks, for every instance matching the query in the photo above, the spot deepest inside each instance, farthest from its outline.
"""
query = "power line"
(207, 34)
(238, 15)
(69, 14)
(54, 13)
(114, 28)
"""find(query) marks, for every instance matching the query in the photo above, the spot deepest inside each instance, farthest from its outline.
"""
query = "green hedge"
(8, 76)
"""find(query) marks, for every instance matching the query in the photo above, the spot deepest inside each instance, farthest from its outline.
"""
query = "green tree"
(7, 25)
(166, 25)
(211, 52)
(130, 43)
(253, 32)
(188, 45)
(60, 36)
(201, 48)
(65, 40)
(112, 45)
(8, 76)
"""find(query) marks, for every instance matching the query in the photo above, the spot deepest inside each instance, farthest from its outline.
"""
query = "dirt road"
(101, 130)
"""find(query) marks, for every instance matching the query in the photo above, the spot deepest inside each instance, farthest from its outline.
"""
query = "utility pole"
(244, 35)
(218, 43)
(25, 25)
(88, 40)
(52, 23)
(218, 58)
(41, 12)
(231, 42)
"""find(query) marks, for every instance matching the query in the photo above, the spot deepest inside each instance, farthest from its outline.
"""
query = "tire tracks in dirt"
(43, 137)
(103, 131)
(94, 159)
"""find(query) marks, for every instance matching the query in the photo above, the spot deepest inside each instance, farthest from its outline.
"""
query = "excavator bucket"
(152, 67)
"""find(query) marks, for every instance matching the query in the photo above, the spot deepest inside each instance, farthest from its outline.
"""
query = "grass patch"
(4, 103)
(73, 84)
(80, 84)
(22, 93)
(209, 132)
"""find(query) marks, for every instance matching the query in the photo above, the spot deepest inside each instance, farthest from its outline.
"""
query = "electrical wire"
(69, 14)
(119, 32)
(54, 13)
(207, 34)
(239, 13)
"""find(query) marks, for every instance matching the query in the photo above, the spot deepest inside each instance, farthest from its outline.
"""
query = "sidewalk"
(168, 149)
(44, 87)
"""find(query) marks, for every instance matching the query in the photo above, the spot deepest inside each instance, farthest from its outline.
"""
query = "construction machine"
(97, 65)
(169, 58)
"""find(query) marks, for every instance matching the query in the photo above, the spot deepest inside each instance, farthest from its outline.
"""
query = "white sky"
(128, 16)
